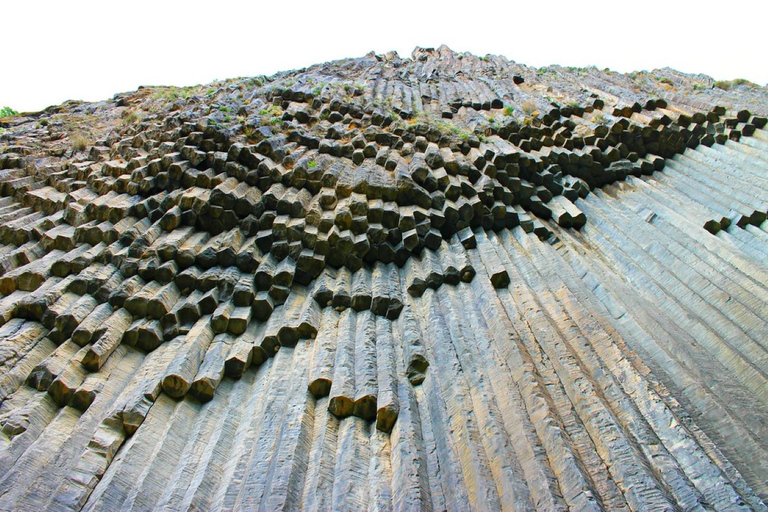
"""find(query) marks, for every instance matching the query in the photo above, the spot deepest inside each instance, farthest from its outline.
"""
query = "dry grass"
(130, 116)
(79, 142)
(529, 107)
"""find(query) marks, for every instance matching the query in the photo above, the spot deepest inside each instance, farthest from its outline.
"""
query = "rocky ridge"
(332, 224)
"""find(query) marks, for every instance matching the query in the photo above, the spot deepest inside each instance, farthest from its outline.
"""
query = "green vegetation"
(130, 116)
(723, 84)
(214, 123)
(271, 110)
(256, 82)
(742, 81)
(509, 110)
(727, 84)
(272, 114)
(312, 164)
(7, 112)
(249, 131)
(700, 87)
(442, 125)
(173, 93)
(453, 129)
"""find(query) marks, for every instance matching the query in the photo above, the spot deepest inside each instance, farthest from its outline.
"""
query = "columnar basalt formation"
(443, 282)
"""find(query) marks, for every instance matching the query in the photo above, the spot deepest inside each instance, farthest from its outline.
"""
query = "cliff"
(438, 282)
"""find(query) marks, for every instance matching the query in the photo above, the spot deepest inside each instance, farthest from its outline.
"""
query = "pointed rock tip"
(442, 51)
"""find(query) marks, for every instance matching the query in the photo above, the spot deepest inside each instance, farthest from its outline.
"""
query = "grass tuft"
(79, 142)
(727, 84)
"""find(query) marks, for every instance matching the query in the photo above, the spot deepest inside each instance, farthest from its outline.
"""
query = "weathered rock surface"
(442, 282)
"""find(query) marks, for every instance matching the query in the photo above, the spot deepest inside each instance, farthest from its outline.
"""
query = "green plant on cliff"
(250, 132)
(723, 84)
(7, 112)
(272, 114)
(727, 84)
(255, 82)
(130, 116)
(450, 128)
(174, 93)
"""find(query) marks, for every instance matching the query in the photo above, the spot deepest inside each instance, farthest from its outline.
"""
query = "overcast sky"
(53, 51)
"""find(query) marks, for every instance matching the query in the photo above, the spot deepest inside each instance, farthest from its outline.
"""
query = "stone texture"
(443, 282)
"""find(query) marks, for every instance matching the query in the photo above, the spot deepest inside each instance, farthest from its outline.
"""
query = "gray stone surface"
(443, 282)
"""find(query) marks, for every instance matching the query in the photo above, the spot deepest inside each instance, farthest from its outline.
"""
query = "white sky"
(53, 51)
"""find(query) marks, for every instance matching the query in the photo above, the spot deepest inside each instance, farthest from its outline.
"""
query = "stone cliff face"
(443, 282)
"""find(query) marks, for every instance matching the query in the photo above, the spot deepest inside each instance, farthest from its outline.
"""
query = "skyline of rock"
(443, 282)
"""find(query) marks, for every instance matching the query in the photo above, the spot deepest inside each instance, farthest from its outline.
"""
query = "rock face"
(442, 282)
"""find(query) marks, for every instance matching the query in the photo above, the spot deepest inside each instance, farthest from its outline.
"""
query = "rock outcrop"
(443, 282)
